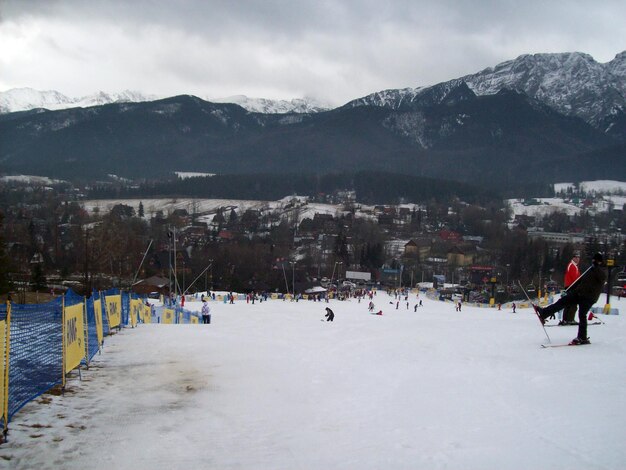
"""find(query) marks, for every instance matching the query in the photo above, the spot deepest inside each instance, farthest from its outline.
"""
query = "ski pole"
(578, 279)
(535, 309)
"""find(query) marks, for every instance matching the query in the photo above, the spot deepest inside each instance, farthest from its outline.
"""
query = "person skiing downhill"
(583, 294)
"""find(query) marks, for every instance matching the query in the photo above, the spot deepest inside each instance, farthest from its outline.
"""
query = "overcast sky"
(331, 50)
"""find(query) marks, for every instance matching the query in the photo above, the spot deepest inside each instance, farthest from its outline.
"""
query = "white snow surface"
(208, 207)
(270, 386)
(29, 179)
(598, 186)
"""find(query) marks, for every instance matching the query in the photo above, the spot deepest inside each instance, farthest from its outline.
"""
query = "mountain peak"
(269, 106)
(24, 99)
(572, 83)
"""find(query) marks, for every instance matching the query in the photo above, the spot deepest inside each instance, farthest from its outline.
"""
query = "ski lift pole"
(199, 275)
(141, 264)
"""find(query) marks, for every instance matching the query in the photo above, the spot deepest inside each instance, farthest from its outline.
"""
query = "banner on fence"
(114, 309)
(97, 309)
(168, 316)
(3, 392)
(136, 311)
(73, 336)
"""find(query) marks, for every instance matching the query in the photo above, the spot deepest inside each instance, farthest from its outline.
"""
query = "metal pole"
(175, 269)
(141, 264)
(169, 259)
(285, 276)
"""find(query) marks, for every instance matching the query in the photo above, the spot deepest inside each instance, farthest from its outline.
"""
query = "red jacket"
(572, 273)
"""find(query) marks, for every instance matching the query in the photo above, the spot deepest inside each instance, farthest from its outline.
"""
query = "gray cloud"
(334, 50)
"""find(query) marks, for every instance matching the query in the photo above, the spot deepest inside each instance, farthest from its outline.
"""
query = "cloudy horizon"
(333, 51)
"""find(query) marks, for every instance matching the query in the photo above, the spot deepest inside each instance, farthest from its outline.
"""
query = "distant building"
(152, 284)
(557, 237)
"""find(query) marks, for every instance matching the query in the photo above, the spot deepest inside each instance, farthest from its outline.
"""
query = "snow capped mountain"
(573, 83)
(393, 99)
(23, 99)
(267, 106)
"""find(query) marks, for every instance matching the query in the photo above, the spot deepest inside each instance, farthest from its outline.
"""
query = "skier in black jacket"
(330, 315)
(584, 293)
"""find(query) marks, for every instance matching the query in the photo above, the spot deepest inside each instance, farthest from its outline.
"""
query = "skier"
(571, 274)
(584, 294)
(206, 312)
(513, 306)
(330, 316)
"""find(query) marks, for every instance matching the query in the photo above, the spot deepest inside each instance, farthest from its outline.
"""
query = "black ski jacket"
(591, 284)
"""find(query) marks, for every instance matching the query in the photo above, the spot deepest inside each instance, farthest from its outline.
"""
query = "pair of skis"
(576, 323)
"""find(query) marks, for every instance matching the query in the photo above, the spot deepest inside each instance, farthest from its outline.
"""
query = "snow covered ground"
(270, 386)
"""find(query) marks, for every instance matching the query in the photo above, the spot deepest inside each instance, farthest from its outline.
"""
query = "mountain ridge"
(490, 140)
(573, 83)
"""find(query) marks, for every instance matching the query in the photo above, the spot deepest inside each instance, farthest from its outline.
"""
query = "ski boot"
(579, 341)
(542, 315)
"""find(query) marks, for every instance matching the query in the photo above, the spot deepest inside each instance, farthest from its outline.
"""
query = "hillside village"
(296, 242)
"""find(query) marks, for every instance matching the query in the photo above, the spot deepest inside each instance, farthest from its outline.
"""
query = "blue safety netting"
(36, 342)
(105, 319)
(125, 308)
(72, 298)
(36, 354)
(3, 316)
(184, 315)
(92, 333)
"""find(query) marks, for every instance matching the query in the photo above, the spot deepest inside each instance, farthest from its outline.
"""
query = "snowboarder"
(571, 274)
(330, 315)
(584, 294)
(514, 306)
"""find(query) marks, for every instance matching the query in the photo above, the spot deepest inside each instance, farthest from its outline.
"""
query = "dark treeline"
(370, 187)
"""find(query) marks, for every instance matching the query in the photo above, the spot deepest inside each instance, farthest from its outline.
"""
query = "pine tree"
(38, 278)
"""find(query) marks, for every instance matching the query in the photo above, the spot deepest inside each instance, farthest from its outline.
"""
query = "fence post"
(7, 348)
(86, 330)
(63, 342)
